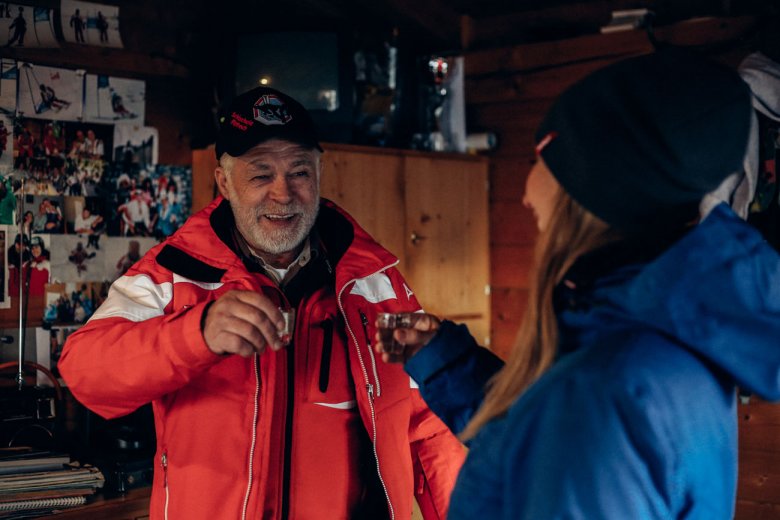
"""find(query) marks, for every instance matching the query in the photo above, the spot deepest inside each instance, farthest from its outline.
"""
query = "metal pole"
(20, 220)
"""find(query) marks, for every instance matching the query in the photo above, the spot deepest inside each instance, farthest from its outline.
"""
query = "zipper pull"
(364, 321)
(370, 390)
(164, 464)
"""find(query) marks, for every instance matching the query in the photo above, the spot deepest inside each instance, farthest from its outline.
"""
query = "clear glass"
(286, 332)
(387, 322)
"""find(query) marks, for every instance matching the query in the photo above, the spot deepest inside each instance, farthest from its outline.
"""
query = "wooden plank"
(570, 18)
(529, 57)
(511, 224)
(513, 115)
(100, 60)
(434, 16)
(749, 510)
(759, 413)
(371, 188)
(508, 176)
(9, 318)
(450, 263)
(204, 186)
(759, 476)
(512, 265)
(508, 307)
(763, 437)
(541, 85)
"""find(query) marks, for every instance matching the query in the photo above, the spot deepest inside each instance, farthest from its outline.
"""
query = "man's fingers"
(239, 320)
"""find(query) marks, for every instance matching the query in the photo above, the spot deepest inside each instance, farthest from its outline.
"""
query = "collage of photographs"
(82, 195)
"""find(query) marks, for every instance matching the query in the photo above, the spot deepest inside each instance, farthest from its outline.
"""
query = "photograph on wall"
(135, 147)
(9, 74)
(61, 158)
(148, 203)
(33, 254)
(108, 100)
(8, 201)
(26, 26)
(74, 259)
(48, 350)
(122, 253)
(6, 143)
(5, 300)
(50, 92)
(85, 216)
(88, 23)
(72, 303)
(47, 213)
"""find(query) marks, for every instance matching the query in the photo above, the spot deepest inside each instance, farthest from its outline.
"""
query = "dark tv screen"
(309, 66)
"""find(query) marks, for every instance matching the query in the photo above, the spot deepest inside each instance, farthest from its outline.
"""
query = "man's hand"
(242, 322)
(408, 341)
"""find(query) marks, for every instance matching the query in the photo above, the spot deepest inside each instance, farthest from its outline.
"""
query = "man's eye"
(261, 178)
(300, 174)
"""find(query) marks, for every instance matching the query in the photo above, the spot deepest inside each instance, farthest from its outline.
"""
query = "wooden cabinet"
(429, 209)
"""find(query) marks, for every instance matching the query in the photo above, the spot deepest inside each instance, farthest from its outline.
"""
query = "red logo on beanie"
(270, 110)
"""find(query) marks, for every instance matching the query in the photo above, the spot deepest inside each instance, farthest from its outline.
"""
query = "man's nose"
(281, 191)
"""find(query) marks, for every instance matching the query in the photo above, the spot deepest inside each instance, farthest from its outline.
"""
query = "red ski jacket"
(256, 438)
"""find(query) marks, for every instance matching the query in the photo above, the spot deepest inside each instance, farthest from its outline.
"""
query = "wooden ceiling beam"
(434, 17)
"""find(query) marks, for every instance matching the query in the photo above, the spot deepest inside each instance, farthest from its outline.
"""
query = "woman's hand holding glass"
(399, 336)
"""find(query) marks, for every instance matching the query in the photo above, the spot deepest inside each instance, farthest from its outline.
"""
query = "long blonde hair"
(571, 232)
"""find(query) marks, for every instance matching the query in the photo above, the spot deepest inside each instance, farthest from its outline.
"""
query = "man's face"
(274, 192)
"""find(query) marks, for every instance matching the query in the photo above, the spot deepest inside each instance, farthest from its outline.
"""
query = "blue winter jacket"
(637, 417)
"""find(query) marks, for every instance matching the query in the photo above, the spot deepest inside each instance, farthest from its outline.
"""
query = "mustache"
(292, 207)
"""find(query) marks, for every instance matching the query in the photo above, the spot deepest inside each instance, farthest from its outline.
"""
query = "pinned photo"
(9, 75)
(119, 100)
(26, 26)
(74, 259)
(135, 147)
(50, 92)
(90, 24)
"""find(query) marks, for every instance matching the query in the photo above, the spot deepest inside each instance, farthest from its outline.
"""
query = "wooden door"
(370, 187)
(447, 247)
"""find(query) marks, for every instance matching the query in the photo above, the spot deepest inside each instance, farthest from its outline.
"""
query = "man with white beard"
(250, 331)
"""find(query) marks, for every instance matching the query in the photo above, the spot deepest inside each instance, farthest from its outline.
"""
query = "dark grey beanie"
(640, 142)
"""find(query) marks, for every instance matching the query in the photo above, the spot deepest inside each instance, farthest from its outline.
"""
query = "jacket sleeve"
(452, 371)
(134, 349)
(437, 456)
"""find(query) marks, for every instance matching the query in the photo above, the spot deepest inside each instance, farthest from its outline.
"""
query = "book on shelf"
(626, 20)
(67, 478)
(43, 503)
(26, 460)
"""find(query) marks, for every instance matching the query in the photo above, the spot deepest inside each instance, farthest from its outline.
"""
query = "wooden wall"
(508, 92)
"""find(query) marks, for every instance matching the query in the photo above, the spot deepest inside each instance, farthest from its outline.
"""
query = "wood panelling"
(511, 224)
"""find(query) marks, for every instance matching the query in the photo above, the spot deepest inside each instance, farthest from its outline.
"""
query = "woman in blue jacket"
(618, 400)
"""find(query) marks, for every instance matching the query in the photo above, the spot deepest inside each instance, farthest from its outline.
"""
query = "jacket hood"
(349, 248)
(716, 291)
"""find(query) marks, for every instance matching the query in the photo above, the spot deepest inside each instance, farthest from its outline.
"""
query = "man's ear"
(220, 176)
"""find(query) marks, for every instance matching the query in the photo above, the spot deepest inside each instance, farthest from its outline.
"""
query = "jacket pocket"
(327, 351)
(329, 381)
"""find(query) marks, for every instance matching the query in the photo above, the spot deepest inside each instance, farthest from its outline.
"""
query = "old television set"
(314, 67)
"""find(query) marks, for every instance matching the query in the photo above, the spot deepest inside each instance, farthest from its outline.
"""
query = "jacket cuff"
(450, 343)
(193, 352)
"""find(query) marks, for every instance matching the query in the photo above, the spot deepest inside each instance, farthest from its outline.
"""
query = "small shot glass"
(387, 322)
(286, 332)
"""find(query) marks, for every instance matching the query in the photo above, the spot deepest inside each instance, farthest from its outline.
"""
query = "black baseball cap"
(261, 114)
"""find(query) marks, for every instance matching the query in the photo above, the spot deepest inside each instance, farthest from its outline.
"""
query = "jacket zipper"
(369, 386)
(254, 438)
(288, 427)
(164, 464)
(364, 321)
